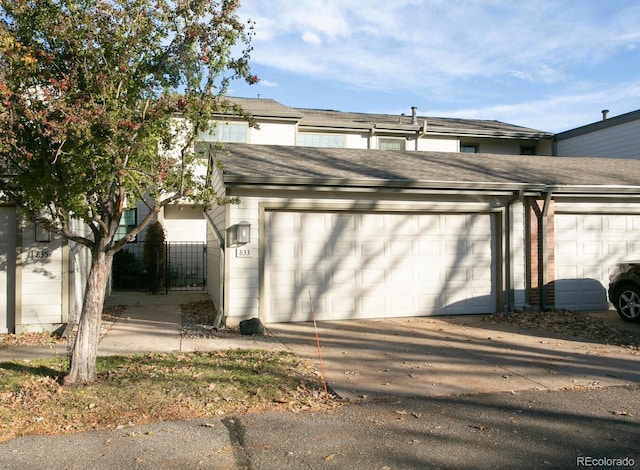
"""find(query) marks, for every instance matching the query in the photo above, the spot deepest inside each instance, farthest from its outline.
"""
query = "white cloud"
(434, 38)
(268, 83)
(311, 38)
(468, 51)
(557, 112)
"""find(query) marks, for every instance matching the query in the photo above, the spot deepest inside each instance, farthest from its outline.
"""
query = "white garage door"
(378, 265)
(587, 248)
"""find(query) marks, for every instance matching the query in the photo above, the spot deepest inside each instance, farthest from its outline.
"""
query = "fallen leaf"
(480, 427)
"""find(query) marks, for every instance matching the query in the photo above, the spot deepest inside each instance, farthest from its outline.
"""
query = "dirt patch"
(43, 338)
(198, 320)
(576, 324)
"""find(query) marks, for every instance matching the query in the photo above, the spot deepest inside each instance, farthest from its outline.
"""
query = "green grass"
(154, 387)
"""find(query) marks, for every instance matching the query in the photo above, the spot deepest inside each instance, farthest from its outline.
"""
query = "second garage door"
(587, 248)
(364, 265)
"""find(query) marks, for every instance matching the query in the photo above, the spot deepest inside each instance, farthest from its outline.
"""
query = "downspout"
(218, 319)
(421, 133)
(544, 261)
(509, 280)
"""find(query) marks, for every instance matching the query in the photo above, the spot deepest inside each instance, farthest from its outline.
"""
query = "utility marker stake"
(315, 326)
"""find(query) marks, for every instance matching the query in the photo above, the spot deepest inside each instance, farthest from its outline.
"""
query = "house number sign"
(243, 253)
(36, 253)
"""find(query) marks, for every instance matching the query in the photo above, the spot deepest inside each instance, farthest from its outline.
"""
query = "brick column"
(536, 255)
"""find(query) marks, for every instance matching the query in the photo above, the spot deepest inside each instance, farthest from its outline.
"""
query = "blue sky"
(547, 64)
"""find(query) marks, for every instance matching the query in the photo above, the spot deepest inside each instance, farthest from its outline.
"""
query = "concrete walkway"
(153, 323)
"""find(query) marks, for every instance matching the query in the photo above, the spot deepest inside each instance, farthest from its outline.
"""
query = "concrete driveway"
(426, 357)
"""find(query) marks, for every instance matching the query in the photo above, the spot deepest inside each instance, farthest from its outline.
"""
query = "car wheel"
(627, 303)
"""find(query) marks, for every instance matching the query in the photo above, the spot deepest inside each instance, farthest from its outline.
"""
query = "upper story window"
(321, 140)
(128, 222)
(226, 132)
(469, 148)
(527, 150)
(391, 144)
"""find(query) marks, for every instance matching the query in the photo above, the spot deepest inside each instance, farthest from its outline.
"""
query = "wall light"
(42, 234)
(239, 234)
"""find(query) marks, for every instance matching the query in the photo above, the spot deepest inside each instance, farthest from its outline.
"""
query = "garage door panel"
(372, 249)
(380, 265)
(343, 278)
(459, 275)
(402, 304)
(428, 248)
(342, 249)
(480, 275)
(402, 248)
(311, 250)
(616, 248)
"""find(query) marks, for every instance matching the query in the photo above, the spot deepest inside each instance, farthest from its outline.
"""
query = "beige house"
(382, 233)
(370, 214)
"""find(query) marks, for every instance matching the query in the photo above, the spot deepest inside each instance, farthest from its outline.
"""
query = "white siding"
(7, 268)
(216, 219)
(183, 223)
(42, 287)
(215, 267)
(357, 141)
(79, 266)
(621, 141)
(438, 144)
(273, 134)
(241, 286)
(517, 256)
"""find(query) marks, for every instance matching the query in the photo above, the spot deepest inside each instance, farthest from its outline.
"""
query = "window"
(391, 144)
(469, 148)
(527, 150)
(321, 140)
(225, 132)
(128, 222)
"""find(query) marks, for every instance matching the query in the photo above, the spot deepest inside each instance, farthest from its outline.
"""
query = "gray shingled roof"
(270, 163)
(261, 107)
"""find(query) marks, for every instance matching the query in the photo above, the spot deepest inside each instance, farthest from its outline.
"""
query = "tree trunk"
(82, 367)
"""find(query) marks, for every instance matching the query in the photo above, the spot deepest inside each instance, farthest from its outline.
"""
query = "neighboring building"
(616, 137)
(378, 233)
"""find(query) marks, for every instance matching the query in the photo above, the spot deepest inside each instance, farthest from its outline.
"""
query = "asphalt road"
(507, 430)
